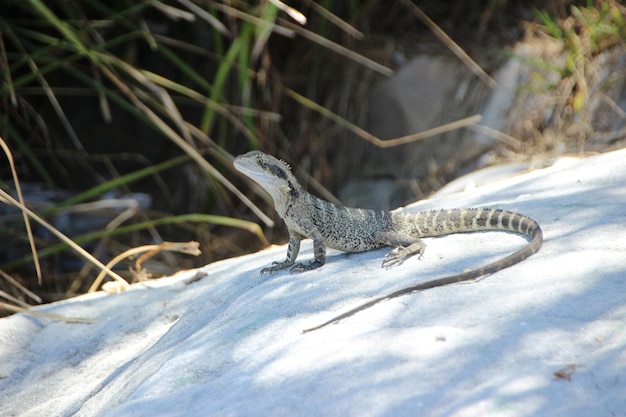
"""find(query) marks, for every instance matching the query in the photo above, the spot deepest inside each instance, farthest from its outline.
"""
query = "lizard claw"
(395, 257)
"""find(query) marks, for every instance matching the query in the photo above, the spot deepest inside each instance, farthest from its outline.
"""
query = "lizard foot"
(395, 257)
(276, 266)
(306, 267)
(400, 253)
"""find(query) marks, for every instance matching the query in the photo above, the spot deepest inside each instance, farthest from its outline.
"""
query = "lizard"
(358, 230)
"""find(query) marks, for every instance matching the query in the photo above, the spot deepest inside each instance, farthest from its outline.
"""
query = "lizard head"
(270, 173)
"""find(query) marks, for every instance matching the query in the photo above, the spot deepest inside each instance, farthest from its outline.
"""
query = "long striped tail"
(434, 224)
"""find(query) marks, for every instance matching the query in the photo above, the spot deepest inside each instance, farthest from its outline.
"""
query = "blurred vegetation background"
(122, 117)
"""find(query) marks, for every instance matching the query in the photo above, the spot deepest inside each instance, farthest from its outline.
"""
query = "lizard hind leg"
(405, 246)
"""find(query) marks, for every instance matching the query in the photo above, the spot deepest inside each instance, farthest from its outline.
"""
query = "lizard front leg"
(319, 249)
(293, 248)
(405, 246)
(319, 254)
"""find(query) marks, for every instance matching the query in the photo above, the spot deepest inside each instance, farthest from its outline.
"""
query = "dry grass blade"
(132, 207)
(12, 299)
(338, 49)
(89, 257)
(184, 145)
(190, 248)
(20, 287)
(197, 10)
(262, 35)
(45, 87)
(228, 111)
(20, 197)
(291, 12)
(453, 46)
(281, 30)
(173, 12)
(51, 316)
(458, 124)
(160, 92)
(497, 135)
(105, 108)
(341, 24)
(147, 34)
(6, 73)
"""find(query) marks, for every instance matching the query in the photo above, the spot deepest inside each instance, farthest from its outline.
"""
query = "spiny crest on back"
(285, 164)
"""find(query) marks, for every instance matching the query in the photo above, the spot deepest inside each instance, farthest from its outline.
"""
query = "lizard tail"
(532, 230)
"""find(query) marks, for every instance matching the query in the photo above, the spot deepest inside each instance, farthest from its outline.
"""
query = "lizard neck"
(284, 197)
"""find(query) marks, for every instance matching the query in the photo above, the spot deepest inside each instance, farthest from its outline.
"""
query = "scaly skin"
(358, 230)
